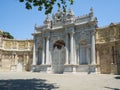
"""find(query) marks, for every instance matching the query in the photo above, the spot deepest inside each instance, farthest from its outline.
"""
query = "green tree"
(7, 35)
(46, 4)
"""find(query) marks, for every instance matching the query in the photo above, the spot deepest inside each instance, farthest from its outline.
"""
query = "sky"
(18, 21)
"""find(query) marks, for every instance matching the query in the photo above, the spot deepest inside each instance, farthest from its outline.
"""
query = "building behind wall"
(15, 55)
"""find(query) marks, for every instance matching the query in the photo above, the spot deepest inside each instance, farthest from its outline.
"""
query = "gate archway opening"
(58, 60)
(59, 44)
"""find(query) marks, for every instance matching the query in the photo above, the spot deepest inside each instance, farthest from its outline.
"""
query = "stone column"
(75, 57)
(34, 55)
(93, 49)
(67, 62)
(72, 49)
(47, 51)
(43, 51)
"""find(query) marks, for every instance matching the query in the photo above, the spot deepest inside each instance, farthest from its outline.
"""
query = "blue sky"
(14, 18)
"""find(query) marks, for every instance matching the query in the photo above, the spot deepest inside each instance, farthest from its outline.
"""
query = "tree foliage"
(46, 4)
(7, 35)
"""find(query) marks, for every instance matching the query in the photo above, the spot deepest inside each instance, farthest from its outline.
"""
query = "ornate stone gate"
(58, 57)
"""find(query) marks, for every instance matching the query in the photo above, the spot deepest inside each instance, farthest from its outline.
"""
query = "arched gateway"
(65, 44)
(58, 59)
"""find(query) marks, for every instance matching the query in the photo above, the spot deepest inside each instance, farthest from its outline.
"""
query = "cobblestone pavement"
(43, 81)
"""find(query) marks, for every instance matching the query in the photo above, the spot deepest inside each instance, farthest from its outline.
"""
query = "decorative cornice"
(61, 19)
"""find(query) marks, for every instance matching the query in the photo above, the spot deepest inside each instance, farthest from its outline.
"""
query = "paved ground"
(38, 81)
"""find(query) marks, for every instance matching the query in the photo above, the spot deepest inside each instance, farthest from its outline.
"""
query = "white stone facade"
(65, 44)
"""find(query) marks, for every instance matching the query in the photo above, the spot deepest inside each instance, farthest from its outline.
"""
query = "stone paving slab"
(43, 81)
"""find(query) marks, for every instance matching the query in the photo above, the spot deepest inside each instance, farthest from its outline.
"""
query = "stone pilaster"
(67, 62)
(47, 51)
(93, 49)
(27, 58)
(98, 57)
(81, 55)
(78, 55)
(28, 47)
(72, 48)
(24, 59)
(1, 39)
(43, 51)
(17, 45)
(3, 45)
(16, 58)
(50, 57)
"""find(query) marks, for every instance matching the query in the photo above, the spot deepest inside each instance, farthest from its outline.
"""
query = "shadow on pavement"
(26, 84)
(112, 88)
(117, 77)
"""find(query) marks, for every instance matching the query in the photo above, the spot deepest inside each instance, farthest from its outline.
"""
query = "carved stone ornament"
(59, 16)
(47, 20)
(83, 42)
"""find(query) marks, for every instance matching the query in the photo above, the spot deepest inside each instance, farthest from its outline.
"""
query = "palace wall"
(108, 49)
(15, 55)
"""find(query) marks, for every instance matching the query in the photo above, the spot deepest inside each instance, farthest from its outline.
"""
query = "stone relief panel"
(26, 45)
(14, 44)
(18, 44)
(7, 44)
(21, 45)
